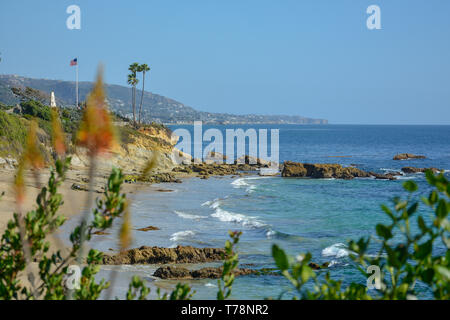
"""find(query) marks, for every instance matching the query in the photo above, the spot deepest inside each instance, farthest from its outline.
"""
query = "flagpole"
(76, 85)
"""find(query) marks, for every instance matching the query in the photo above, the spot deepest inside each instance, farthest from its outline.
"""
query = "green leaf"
(410, 186)
(441, 210)
(422, 224)
(424, 250)
(383, 231)
(443, 271)
(412, 209)
(280, 258)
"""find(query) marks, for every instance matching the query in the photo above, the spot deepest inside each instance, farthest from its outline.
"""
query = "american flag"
(74, 62)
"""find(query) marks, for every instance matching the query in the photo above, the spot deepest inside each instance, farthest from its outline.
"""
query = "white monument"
(52, 100)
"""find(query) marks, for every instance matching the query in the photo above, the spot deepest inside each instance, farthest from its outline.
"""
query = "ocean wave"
(405, 177)
(243, 183)
(212, 285)
(226, 216)
(240, 182)
(182, 235)
(185, 215)
(337, 250)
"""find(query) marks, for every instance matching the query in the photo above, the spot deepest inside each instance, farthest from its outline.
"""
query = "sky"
(313, 58)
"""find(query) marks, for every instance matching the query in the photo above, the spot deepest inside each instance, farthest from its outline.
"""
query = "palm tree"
(142, 68)
(133, 81)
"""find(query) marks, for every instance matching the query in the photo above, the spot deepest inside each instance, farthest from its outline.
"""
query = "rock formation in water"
(157, 255)
(416, 170)
(172, 272)
(406, 156)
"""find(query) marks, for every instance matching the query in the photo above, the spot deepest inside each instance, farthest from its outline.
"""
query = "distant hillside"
(155, 108)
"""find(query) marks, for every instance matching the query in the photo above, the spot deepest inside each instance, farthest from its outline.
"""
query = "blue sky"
(314, 58)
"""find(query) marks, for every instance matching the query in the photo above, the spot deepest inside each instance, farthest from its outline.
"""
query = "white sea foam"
(185, 215)
(404, 178)
(210, 285)
(226, 216)
(240, 182)
(338, 250)
(332, 263)
(270, 233)
(182, 235)
(250, 188)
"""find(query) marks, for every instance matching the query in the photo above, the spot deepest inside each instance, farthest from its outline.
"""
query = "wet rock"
(172, 272)
(417, 170)
(101, 233)
(149, 228)
(164, 190)
(320, 171)
(406, 156)
(385, 176)
(316, 266)
(158, 255)
(293, 169)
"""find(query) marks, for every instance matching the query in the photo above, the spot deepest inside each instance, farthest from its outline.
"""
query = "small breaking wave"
(185, 215)
(240, 182)
(182, 235)
(226, 216)
(243, 183)
(337, 250)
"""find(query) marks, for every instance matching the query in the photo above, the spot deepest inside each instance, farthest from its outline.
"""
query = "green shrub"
(13, 133)
(36, 109)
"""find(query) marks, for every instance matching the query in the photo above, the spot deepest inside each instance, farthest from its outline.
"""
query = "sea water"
(300, 215)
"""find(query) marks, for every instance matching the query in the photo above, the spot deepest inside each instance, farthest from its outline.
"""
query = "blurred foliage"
(231, 261)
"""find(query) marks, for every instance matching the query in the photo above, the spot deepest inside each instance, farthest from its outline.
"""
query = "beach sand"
(74, 200)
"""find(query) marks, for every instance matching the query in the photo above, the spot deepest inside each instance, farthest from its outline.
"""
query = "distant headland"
(156, 108)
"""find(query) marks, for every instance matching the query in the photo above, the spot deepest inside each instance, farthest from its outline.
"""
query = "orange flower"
(32, 154)
(125, 230)
(19, 183)
(58, 137)
(96, 130)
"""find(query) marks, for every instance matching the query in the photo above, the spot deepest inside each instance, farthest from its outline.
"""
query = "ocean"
(300, 215)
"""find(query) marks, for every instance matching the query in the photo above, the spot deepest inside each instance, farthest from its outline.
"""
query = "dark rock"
(149, 228)
(171, 272)
(406, 156)
(416, 170)
(318, 171)
(101, 233)
(386, 176)
(158, 255)
(316, 266)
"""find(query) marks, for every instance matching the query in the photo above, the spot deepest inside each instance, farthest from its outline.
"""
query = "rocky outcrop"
(386, 176)
(406, 156)
(417, 170)
(149, 228)
(161, 177)
(171, 272)
(320, 171)
(316, 266)
(8, 163)
(205, 170)
(157, 255)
